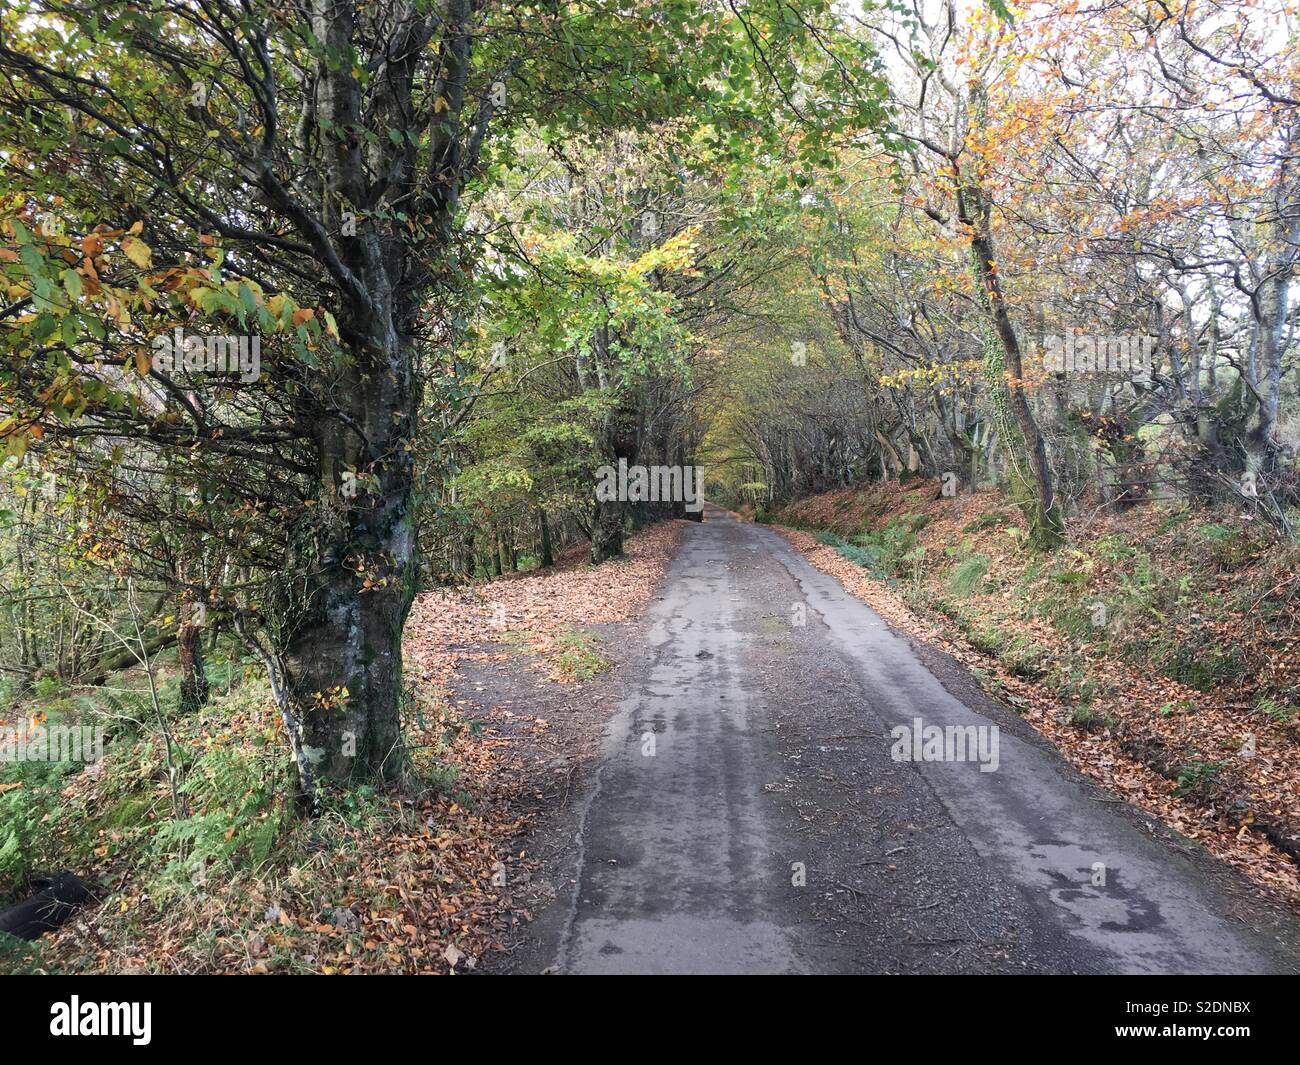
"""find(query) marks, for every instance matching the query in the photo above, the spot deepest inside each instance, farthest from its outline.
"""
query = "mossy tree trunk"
(1004, 370)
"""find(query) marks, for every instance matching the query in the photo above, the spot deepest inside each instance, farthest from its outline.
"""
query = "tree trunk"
(100, 672)
(607, 531)
(1046, 527)
(342, 659)
(1270, 304)
(503, 549)
(891, 461)
(548, 558)
(189, 645)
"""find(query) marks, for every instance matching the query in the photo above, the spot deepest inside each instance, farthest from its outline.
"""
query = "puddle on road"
(1095, 894)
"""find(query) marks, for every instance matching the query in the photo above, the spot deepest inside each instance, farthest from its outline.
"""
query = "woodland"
(418, 269)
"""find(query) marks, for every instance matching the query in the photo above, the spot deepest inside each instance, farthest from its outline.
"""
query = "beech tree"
(298, 172)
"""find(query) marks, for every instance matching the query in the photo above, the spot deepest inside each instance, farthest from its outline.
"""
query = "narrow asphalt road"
(753, 812)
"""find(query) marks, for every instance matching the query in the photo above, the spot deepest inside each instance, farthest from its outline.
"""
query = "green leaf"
(72, 283)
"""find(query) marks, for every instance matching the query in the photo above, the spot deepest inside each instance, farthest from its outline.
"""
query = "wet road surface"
(754, 813)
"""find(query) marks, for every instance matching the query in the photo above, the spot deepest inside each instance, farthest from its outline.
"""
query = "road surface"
(753, 812)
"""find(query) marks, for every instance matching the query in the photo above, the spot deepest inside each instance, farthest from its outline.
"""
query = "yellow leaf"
(137, 251)
(142, 362)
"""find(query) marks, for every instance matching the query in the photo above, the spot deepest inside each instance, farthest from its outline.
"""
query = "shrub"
(238, 814)
(987, 637)
(1085, 718)
(1278, 712)
(23, 810)
(1229, 548)
(1201, 667)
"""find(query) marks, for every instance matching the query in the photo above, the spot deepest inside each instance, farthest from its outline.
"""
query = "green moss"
(578, 656)
(128, 812)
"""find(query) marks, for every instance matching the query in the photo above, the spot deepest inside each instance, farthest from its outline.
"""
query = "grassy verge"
(567, 655)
